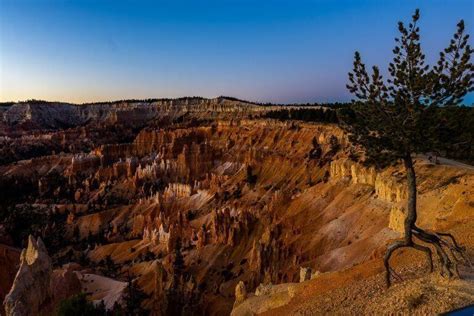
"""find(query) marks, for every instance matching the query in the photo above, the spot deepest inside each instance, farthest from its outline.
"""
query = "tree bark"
(411, 214)
(446, 246)
(410, 219)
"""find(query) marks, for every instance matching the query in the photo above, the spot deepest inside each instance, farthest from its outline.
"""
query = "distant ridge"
(151, 100)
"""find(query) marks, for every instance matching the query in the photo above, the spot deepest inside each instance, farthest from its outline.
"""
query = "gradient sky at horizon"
(267, 51)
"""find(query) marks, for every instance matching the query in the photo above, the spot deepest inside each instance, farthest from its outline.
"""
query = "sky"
(261, 50)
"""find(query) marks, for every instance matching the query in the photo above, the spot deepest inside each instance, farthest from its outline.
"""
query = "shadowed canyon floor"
(165, 206)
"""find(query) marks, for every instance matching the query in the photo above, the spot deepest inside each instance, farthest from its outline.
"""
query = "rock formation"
(386, 187)
(240, 293)
(305, 274)
(31, 291)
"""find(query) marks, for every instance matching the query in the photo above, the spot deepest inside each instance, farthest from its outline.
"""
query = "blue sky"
(277, 51)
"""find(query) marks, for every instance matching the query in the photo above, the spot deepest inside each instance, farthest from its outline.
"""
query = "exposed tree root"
(449, 253)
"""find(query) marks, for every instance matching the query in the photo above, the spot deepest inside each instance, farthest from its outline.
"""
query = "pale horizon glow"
(278, 51)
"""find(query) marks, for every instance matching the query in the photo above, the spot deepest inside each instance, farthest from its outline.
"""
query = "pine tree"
(393, 119)
(175, 292)
(250, 177)
(78, 305)
(178, 262)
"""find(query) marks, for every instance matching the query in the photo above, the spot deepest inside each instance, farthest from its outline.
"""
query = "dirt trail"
(448, 162)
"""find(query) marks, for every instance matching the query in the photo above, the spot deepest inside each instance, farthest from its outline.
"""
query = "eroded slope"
(186, 211)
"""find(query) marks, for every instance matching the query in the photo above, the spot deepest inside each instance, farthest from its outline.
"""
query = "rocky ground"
(361, 290)
(165, 206)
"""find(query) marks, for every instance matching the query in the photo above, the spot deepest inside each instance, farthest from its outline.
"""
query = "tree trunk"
(446, 246)
(411, 215)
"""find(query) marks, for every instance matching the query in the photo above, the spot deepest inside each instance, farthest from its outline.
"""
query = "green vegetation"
(23, 220)
(454, 134)
(78, 305)
(308, 115)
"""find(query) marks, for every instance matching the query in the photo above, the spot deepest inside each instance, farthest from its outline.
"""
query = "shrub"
(78, 305)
